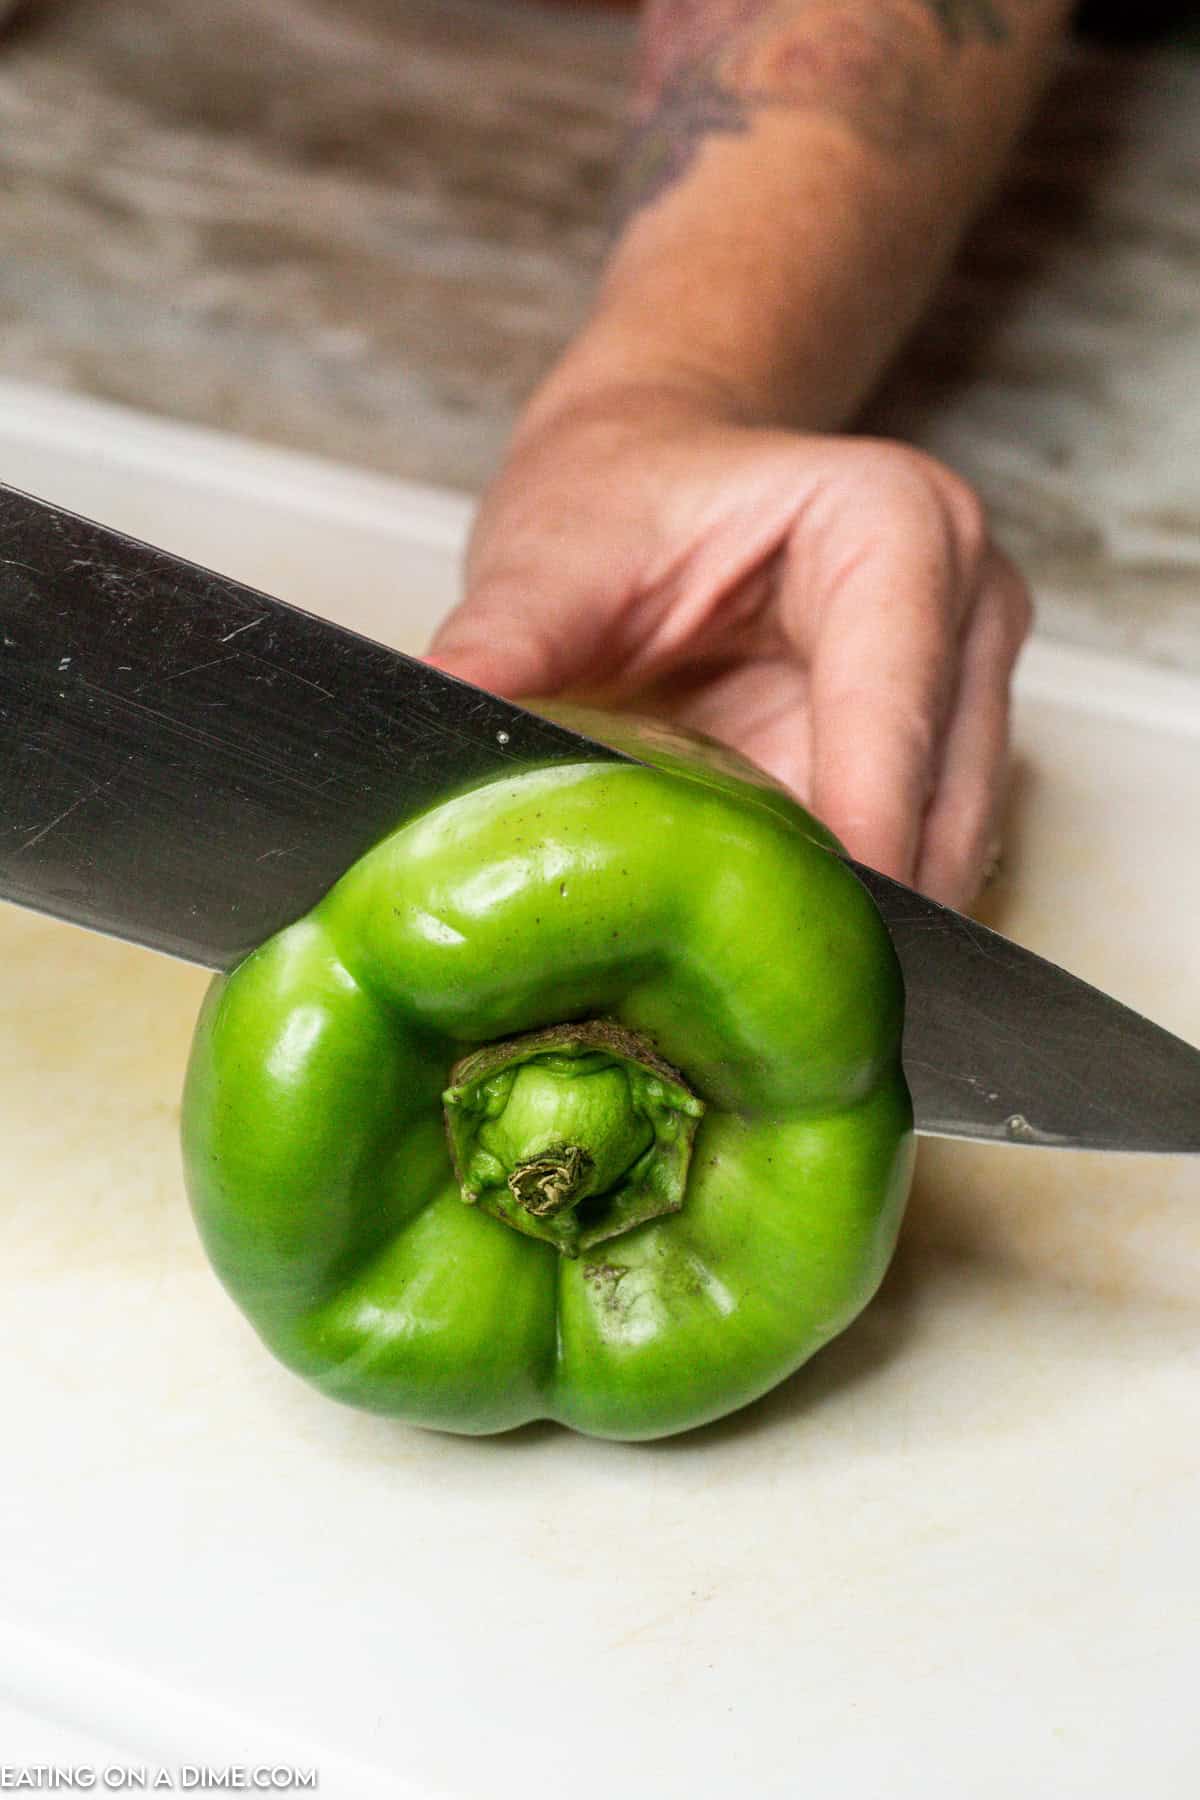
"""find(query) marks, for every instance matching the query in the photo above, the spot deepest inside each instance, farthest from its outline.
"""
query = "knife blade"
(189, 763)
(192, 764)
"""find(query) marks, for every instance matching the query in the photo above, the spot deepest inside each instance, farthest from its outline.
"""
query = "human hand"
(830, 606)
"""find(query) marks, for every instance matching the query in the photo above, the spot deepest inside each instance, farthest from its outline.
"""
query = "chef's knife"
(191, 764)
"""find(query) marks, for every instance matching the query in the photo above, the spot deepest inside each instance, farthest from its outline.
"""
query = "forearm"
(799, 174)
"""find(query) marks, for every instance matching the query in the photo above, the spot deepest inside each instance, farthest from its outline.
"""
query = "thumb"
(514, 639)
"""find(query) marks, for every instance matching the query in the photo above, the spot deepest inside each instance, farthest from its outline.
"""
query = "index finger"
(882, 645)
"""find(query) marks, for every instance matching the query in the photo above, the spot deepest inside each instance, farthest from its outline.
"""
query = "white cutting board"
(957, 1556)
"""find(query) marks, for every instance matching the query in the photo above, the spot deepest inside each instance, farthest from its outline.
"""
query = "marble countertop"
(363, 229)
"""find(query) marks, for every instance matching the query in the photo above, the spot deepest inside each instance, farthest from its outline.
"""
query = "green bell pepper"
(578, 1097)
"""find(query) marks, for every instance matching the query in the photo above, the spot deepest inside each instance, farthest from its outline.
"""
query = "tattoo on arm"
(708, 67)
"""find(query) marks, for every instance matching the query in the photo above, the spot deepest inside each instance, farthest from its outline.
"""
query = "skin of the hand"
(831, 606)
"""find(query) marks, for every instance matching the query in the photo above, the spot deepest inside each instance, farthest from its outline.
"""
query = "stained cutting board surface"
(954, 1556)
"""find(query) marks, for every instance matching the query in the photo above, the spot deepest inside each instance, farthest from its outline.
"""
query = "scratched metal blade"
(191, 764)
(1000, 1044)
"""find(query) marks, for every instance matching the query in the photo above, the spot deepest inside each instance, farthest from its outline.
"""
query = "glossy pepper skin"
(686, 903)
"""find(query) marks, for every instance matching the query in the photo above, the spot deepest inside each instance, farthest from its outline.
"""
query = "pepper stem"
(573, 1134)
(547, 1184)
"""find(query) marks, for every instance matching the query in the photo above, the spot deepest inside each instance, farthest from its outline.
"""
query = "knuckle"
(1011, 602)
(910, 482)
(899, 474)
(965, 517)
